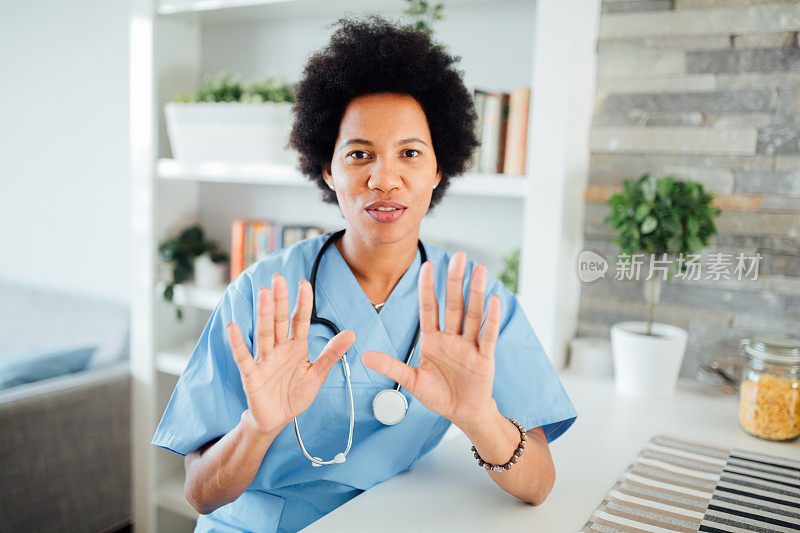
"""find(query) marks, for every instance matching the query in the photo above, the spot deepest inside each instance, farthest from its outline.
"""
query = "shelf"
(231, 11)
(170, 496)
(470, 184)
(225, 172)
(189, 295)
(495, 185)
(174, 359)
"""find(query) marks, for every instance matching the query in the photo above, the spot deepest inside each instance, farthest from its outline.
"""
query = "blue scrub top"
(288, 493)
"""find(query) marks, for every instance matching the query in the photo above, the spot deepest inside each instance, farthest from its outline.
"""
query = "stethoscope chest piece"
(389, 406)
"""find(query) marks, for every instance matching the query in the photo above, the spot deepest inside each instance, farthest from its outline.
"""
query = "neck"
(377, 267)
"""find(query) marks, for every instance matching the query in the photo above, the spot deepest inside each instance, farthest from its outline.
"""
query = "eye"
(410, 150)
(358, 152)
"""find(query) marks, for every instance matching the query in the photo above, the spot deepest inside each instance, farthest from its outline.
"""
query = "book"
(516, 131)
(254, 239)
(479, 102)
(495, 118)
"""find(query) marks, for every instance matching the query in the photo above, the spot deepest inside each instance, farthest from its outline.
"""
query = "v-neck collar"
(349, 299)
(401, 283)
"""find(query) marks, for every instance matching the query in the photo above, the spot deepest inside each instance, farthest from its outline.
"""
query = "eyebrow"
(369, 143)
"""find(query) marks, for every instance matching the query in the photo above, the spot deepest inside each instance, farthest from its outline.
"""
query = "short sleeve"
(526, 385)
(208, 399)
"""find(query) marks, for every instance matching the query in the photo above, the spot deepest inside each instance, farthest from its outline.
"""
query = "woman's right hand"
(279, 381)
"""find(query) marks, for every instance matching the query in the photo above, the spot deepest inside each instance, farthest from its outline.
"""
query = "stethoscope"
(389, 406)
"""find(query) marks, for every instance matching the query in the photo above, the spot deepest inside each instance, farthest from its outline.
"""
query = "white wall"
(64, 183)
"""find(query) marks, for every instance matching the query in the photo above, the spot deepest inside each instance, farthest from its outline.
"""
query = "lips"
(390, 215)
(375, 205)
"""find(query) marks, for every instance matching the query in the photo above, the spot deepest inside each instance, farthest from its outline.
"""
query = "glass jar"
(769, 391)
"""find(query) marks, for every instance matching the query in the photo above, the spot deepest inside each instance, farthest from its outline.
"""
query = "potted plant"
(664, 219)
(510, 274)
(424, 14)
(228, 119)
(185, 253)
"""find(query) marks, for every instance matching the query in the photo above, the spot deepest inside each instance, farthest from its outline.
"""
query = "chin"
(386, 233)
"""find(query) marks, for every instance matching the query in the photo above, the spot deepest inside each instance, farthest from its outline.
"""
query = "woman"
(382, 118)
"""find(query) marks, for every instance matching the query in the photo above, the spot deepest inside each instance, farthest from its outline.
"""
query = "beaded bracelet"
(514, 458)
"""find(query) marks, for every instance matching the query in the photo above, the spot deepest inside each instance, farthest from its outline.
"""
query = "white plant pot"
(230, 131)
(208, 274)
(646, 365)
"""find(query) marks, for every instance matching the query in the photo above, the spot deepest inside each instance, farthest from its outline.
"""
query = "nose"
(385, 174)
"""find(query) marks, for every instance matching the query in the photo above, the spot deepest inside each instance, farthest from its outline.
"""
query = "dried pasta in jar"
(769, 406)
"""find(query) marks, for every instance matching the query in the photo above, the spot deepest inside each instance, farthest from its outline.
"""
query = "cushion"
(21, 366)
(72, 320)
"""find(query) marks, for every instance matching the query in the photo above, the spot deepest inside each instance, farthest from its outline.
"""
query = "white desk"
(447, 491)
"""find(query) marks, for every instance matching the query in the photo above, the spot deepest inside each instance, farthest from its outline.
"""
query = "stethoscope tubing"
(316, 461)
(325, 322)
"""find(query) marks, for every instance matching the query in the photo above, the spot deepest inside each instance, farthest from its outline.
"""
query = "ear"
(326, 175)
(438, 176)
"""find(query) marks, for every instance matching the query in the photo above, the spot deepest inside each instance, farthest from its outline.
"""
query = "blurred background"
(143, 168)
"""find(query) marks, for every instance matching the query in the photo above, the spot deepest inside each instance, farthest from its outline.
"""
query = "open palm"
(456, 369)
(279, 381)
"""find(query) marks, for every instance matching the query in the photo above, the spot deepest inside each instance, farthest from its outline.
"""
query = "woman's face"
(383, 153)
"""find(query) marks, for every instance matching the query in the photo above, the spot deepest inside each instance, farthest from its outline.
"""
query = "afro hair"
(391, 58)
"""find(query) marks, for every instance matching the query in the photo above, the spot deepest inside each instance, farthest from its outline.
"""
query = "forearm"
(495, 438)
(220, 473)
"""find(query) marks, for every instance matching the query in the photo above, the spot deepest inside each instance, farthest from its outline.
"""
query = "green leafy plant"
(181, 251)
(226, 87)
(510, 274)
(424, 14)
(665, 217)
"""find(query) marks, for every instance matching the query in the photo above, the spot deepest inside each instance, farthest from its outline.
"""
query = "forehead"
(384, 114)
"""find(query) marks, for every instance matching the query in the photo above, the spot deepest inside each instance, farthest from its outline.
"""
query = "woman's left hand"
(456, 368)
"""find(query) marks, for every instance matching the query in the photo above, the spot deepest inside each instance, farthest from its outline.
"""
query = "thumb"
(332, 352)
(390, 367)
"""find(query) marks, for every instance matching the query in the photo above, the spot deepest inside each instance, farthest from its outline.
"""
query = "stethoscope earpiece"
(316, 461)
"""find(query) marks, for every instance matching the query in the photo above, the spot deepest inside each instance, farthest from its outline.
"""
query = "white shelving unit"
(503, 44)
(469, 184)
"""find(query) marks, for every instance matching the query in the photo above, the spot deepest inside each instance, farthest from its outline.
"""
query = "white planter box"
(230, 131)
(647, 365)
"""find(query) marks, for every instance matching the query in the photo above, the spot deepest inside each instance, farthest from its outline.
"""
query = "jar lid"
(773, 348)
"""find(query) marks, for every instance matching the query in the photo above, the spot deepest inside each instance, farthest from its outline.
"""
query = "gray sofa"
(65, 441)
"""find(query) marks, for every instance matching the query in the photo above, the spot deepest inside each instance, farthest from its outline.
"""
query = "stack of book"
(502, 129)
(253, 239)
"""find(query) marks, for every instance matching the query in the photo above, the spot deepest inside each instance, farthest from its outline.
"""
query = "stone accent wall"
(706, 90)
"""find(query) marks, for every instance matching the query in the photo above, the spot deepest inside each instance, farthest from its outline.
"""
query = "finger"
(332, 352)
(390, 367)
(265, 326)
(281, 308)
(491, 328)
(302, 311)
(428, 306)
(454, 299)
(242, 356)
(477, 288)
